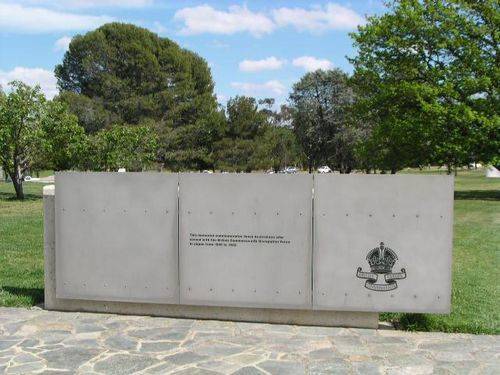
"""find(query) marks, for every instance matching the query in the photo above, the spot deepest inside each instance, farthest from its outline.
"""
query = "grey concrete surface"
(258, 248)
(116, 236)
(410, 214)
(306, 317)
(162, 244)
(46, 342)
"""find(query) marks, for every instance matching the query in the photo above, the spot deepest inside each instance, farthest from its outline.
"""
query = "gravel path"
(38, 341)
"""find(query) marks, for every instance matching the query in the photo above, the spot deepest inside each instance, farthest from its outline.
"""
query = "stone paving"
(38, 341)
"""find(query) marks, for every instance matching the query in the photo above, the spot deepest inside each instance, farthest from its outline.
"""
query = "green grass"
(476, 255)
(21, 246)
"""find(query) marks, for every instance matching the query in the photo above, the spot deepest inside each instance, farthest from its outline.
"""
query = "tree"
(64, 142)
(244, 118)
(137, 75)
(235, 155)
(132, 148)
(124, 74)
(192, 146)
(244, 123)
(277, 148)
(21, 111)
(320, 104)
(91, 113)
(426, 76)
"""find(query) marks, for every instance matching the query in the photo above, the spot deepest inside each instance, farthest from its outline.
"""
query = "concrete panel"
(116, 237)
(245, 240)
(411, 215)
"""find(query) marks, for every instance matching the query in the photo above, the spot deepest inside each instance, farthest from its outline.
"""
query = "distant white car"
(289, 170)
(207, 171)
(324, 169)
(27, 178)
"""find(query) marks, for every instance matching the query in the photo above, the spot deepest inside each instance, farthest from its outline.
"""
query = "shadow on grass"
(483, 195)
(409, 321)
(11, 197)
(34, 294)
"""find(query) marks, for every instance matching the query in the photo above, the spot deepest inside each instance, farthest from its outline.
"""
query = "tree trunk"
(345, 170)
(17, 181)
(448, 168)
(393, 170)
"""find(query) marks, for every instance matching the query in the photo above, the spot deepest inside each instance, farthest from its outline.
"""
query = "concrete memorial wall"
(116, 237)
(247, 246)
(383, 243)
(245, 240)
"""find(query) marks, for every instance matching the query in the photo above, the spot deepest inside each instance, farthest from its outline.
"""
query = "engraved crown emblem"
(381, 259)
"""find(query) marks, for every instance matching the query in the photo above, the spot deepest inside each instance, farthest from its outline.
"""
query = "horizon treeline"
(424, 91)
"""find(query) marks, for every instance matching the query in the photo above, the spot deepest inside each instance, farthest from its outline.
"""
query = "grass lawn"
(476, 255)
(21, 246)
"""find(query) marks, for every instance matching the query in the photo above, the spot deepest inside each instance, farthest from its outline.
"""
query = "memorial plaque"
(382, 243)
(245, 240)
(116, 237)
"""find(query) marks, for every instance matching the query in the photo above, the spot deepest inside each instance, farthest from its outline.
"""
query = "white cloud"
(31, 76)
(270, 87)
(19, 18)
(330, 17)
(310, 64)
(205, 19)
(270, 63)
(108, 3)
(62, 44)
(89, 3)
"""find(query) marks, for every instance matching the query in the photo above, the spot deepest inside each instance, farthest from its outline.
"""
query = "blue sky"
(257, 48)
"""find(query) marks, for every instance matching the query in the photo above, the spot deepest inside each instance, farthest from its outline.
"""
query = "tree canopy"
(320, 104)
(63, 140)
(126, 75)
(133, 75)
(424, 91)
(36, 134)
(21, 112)
(426, 76)
(131, 147)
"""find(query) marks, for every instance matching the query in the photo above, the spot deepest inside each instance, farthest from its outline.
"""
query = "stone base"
(281, 316)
